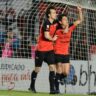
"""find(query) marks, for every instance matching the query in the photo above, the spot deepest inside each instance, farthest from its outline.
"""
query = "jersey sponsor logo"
(47, 26)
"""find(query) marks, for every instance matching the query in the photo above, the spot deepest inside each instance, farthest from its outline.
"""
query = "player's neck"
(65, 29)
(65, 26)
(51, 20)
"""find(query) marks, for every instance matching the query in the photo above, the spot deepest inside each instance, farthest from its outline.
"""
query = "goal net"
(20, 22)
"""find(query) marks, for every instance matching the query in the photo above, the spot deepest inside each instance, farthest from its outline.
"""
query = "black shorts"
(62, 58)
(41, 56)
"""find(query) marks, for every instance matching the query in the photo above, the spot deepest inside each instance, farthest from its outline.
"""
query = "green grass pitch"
(26, 93)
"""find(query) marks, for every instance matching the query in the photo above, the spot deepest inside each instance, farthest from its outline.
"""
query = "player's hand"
(55, 38)
(79, 7)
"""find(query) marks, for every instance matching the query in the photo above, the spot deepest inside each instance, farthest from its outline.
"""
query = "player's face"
(53, 14)
(64, 21)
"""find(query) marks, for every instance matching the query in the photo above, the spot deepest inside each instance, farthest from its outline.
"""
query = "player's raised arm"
(80, 17)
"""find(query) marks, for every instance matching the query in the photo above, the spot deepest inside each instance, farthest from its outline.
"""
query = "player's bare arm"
(80, 17)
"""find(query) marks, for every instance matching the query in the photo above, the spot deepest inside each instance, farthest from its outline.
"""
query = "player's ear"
(48, 15)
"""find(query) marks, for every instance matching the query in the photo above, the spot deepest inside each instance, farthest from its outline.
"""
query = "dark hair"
(61, 16)
(48, 10)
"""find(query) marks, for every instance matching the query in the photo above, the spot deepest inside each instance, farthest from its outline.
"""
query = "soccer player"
(44, 51)
(62, 44)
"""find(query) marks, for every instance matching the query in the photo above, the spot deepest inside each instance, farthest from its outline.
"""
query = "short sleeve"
(46, 26)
